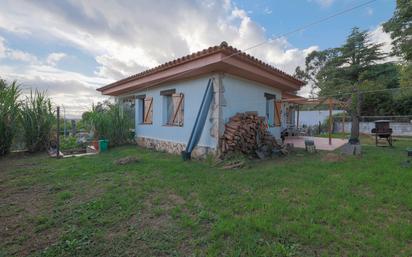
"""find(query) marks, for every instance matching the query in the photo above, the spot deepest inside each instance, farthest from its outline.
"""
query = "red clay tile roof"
(223, 47)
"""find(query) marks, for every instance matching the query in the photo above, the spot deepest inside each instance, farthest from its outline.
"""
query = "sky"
(71, 47)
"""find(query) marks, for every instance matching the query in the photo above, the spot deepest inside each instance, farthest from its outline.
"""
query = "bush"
(109, 121)
(9, 111)
(67, 143)
(119, 125)
(37, 119)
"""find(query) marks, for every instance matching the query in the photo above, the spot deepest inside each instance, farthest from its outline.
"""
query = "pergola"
(331, 102)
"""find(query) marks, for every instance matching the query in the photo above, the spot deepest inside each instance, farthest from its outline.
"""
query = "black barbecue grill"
(383, 131)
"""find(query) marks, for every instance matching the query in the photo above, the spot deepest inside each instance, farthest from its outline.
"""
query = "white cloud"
(377, 35)
(323, 3)
(73, 90)
(129, 37)
(125, 43)
(2, 47)
(18, 55)
(267, 10)
(14, 54)
(54, 58)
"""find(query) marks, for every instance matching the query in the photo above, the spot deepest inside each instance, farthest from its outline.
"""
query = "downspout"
(200, 121)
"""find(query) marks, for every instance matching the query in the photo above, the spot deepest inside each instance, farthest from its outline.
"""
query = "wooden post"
(58, 133)
(297, 118)
(330, 121)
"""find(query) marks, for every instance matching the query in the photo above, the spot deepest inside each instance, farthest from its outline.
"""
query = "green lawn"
(299, 205)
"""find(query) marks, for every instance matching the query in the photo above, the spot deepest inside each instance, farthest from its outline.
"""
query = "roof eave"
(210, 60)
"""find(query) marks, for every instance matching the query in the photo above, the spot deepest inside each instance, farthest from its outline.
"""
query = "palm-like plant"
(37, 118)
(9, 111)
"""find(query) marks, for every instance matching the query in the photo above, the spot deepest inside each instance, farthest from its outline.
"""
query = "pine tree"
(400, 29)
(339, 71)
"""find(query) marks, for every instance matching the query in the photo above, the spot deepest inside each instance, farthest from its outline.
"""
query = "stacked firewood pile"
(247, 133)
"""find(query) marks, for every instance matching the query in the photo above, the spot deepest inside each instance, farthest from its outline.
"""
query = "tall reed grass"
(110, 121)
(9, 112)
(37, 118)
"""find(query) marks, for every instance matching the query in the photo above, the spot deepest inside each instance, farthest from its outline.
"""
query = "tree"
(341, 71)
(400, 29)
(405, 76)
(314, 62)
(380, 77)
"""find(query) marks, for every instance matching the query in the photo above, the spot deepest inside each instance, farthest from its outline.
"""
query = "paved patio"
(321, 143)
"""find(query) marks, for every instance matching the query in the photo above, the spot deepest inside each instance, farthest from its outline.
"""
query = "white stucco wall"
(193, 91)
(239, 95)
(243, 95)
(311, 118)
(398, 128)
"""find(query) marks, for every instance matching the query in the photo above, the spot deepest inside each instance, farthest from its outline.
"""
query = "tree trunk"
(356, 111)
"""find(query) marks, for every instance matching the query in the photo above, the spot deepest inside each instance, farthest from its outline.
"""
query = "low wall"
(312, 118)
(199, 152)
(398, 128)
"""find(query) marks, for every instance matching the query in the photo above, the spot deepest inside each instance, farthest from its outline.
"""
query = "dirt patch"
(26, 216)
(156, 211)
(332, 157)
(175, 199)
(22, 210)
(153, 225)
(155, 215)
(126, 160)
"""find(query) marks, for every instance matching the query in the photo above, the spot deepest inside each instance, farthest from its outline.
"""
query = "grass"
(299, 205)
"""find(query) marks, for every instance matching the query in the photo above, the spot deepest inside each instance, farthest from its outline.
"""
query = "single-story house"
(167, 99)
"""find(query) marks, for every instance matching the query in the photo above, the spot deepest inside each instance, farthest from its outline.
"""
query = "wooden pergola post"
(297, 117)
(330, 121)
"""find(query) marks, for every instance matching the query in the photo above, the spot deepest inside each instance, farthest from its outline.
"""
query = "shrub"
(67, 143)
(120, 123)
(37, 119)
(9, 110)
(109, 121)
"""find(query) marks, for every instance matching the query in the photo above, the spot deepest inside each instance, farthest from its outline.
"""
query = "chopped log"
(247, 133)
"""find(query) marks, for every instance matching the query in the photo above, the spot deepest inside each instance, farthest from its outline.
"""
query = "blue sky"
(281, 16)
(71, 47)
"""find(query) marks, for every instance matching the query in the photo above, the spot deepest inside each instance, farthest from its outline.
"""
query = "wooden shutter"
(178, 109)
(278, 107)
(148, 110)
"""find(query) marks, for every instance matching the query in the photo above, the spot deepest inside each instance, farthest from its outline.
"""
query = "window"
(145, 116)
(173, 110)
(128, 107)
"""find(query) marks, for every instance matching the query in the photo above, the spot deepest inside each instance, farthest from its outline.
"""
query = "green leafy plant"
(120, 124)
(37, 118)
(69, 142)
(9, 110)
(109, 121)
